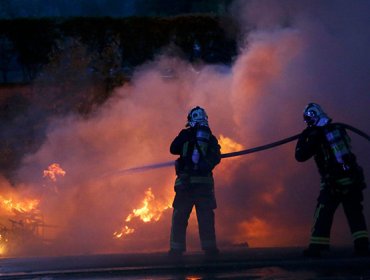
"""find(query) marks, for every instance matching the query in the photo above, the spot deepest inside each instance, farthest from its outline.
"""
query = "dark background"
(58, 57)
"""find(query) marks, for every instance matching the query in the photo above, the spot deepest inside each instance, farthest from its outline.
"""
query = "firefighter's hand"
(307, 144)
(310, 133)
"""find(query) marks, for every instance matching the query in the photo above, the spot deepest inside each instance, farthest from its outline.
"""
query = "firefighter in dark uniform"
(194, 186)
(342, 180)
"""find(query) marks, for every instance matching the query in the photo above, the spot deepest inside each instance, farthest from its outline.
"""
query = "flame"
(228, 145)
(124, 231)
(53, 171)
(2, 249)
(11, 205)
(23, 214)
(151, 210)
(255, 228)
(192, 277)
(3, 244)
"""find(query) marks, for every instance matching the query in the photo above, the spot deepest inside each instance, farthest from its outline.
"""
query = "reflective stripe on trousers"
(196, 180)
(360, 234)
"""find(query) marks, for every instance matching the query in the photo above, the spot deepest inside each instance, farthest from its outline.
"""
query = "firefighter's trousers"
(204, 206)
(327, 204)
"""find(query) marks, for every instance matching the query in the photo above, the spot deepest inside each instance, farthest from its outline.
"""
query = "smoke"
(297, 52)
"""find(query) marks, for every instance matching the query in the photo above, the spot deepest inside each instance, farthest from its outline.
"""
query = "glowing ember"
(228, 145)
(124, 231)
(53, 171)
(194, 278)
(151, 210)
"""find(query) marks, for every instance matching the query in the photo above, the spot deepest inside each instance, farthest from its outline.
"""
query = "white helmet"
(197, 116)
(314, 115)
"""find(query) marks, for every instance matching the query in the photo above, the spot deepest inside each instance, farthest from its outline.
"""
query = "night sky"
(112, 8)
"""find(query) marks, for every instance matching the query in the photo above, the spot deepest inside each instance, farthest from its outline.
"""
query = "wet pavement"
(253, 263)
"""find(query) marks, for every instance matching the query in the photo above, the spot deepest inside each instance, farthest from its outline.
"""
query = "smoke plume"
(297, 52)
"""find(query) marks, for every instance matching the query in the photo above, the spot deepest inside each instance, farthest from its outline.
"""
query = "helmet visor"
(310, 117)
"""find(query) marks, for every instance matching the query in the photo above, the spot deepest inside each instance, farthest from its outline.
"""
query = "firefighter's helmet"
(197, 116)
(314, 115)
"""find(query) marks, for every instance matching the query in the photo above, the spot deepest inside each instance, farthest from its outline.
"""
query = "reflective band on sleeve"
(178, 182)
(344, 181)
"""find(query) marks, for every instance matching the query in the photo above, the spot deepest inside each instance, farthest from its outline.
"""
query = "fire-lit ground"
(268, 263)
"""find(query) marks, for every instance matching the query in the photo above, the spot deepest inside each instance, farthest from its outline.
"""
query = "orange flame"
(124, 231)
(2, 247)
(26, 216)
(151, 210)
(228, 145)
(256, 230)
(53, 171)
(11, 205)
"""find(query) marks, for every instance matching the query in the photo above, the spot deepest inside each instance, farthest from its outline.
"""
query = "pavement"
(251, 263)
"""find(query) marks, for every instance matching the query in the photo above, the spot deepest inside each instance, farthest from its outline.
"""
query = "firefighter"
(199, 153)
(342, 180)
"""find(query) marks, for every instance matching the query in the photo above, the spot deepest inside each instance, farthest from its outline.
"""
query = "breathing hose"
(242, 152)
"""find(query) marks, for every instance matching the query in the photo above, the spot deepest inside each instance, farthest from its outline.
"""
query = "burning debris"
(4, 232)
(12, 205)
(151, 211)
(53, 171)
(21, 221)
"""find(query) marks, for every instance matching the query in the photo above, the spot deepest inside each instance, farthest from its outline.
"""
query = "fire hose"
(242, 152)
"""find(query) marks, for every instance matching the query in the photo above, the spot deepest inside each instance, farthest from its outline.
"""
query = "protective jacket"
(194, 186)
(331, 149)
(189, 175)
(342, 182)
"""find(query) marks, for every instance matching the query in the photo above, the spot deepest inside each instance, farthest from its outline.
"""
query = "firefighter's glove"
(310, 133)
(310, 136)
